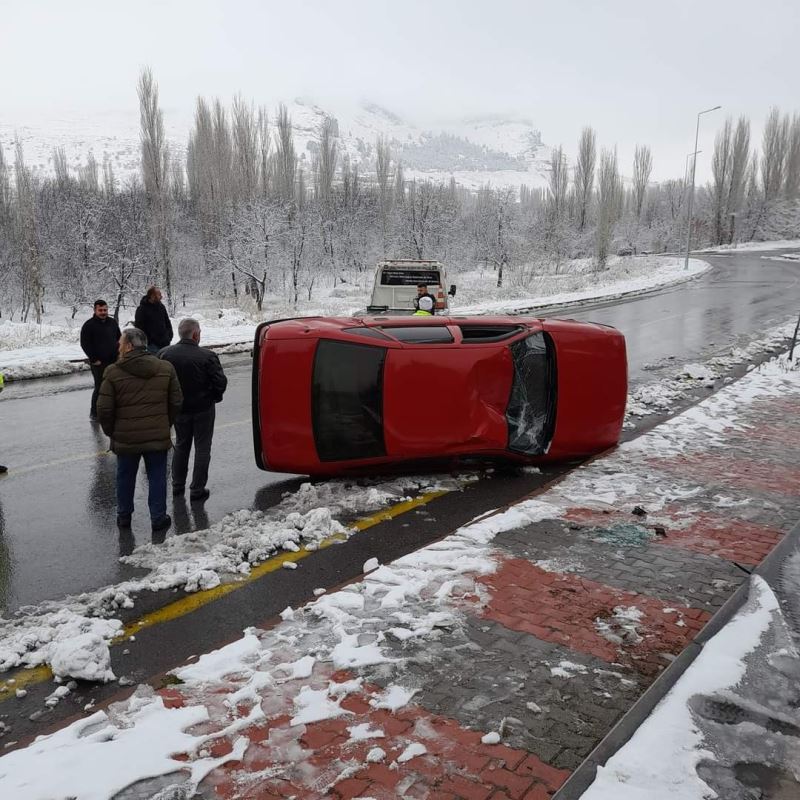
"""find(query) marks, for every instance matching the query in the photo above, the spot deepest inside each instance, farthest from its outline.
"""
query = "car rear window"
(421, 334)
(410, 277)
(347, 400)
(477, 334)
(531, 410)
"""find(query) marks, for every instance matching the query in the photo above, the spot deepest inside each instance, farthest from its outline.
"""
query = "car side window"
(486, 334)
(422, 334)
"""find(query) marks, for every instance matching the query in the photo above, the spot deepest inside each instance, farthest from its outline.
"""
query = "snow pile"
(97, 757)
(76, 645)
(633, 773)
(753, 247)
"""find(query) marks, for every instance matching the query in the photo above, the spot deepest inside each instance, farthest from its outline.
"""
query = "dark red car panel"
(434, 401)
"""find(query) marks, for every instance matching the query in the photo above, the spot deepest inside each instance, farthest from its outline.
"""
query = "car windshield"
(347, 400)
(531, 409)
(409, 277)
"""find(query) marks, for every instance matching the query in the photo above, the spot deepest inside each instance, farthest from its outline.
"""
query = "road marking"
(186, 605)
(99, 454)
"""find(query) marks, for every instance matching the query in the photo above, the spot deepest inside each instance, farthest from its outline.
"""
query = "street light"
(686, 168)
(691, 191)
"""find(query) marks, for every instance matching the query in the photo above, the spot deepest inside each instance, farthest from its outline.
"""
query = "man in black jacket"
(203, 383)
(100, 342)
(152, 318)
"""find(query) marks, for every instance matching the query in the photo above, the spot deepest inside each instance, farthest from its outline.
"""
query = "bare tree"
(155, 171)
(773, 155)
(383, 160)
(740, 156)
(642, 169)
(608, 203)
(285, 157)
(246, 150)
(584, 175)
(791, 186)
(721, 168)
(27, 239)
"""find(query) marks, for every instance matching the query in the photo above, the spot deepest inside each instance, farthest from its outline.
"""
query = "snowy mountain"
(497, 150)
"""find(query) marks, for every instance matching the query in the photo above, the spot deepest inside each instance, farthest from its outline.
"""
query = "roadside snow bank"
(625, 276)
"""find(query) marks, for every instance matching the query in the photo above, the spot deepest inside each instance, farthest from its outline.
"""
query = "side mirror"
(452, 291)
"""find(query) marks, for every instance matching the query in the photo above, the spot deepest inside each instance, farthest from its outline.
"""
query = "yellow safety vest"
(421, 313)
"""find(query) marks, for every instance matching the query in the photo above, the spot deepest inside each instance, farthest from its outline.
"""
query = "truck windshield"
(347, 400)
(531, 411)
(410, 277)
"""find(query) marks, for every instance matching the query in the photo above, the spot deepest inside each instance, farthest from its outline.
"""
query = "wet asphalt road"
(57, 530)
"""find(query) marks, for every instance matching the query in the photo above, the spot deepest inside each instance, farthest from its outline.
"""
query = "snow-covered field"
(417, 594)
(28, 350)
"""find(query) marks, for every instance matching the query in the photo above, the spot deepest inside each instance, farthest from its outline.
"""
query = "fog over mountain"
(503, 151)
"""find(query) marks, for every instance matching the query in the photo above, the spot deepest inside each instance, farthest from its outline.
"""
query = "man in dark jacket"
(422, 291)
(203, 383)
(152, 318)
(100, 341)
(140, 397)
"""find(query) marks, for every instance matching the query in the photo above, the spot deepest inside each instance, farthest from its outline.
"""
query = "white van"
(396, 284)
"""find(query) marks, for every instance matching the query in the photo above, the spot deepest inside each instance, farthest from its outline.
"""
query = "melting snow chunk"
(394, 698)
(490, 738)
(314, 705)
(358, 733)
(376, 755)
(371, 565)
(85, 656)
(412, 751)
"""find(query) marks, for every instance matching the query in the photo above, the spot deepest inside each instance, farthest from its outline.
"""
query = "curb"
(582, 778)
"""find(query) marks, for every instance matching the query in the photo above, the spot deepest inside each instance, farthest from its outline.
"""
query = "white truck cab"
(396, 284)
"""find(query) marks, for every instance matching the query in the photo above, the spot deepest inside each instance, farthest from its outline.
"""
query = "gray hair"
(188, 327)
(134, 337)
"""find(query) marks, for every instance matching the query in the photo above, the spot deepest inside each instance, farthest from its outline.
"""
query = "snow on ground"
(28, 350)
(415, 596)
(754, 247)
(633, 773)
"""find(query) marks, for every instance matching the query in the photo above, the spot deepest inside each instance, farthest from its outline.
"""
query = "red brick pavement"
(703, 532)
(456, 764)
(565, 609)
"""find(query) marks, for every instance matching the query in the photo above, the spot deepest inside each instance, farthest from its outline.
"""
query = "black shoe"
(200, 497)
(178, 491)
(3, 469)
(163, 525)
(123, 521)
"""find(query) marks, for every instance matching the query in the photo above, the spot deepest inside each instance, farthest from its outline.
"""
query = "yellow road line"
(192, 602)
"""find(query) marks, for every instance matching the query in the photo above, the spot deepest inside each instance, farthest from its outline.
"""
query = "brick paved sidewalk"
(539, 626)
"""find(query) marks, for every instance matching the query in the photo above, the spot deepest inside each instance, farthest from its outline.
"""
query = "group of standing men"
(142, 387)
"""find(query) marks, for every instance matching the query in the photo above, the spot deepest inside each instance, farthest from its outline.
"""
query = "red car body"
(334, 396)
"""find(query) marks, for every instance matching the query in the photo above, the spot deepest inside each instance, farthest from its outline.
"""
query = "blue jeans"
(155, 465)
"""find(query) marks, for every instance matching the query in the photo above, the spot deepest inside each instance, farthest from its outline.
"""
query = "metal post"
(691, 191)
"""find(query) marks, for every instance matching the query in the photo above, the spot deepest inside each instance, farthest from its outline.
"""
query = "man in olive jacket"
(140, 397)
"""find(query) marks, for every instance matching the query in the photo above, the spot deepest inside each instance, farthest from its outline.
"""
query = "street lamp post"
(691, 191)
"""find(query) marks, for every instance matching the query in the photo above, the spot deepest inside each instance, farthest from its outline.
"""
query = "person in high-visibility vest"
(3, 469)
(424, 306)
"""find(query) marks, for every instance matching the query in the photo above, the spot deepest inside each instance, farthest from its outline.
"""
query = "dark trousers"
(155, 465)
(97, 374)
(197, 428)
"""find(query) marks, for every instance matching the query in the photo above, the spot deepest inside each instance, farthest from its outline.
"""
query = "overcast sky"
(636, 70)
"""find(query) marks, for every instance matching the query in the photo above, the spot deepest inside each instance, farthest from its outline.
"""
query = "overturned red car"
(335, 396)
